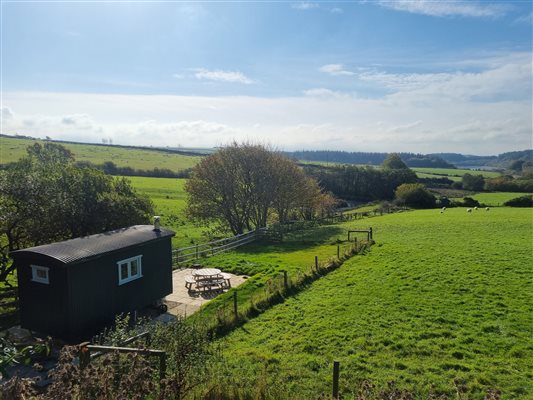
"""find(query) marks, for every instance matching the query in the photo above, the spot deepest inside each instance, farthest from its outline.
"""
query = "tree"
(45, 197)
(241, 186)
(414, 195)
(474, 183)
(394, 161)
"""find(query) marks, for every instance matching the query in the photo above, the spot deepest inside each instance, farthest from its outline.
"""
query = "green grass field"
(495, 199)
(169, 198)
(453, 174)
(12, 149)
(443, 303)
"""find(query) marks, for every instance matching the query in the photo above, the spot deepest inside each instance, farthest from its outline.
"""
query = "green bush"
(523, 201)
(414, 195)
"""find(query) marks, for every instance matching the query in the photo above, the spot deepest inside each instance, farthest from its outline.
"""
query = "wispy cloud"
(324, 93)
(336, 10)
(304, 5)
(487, 111)
(6, 113)
(222, 76)
(335, 69)
(509, 79)
(525, 19)
(447, 8)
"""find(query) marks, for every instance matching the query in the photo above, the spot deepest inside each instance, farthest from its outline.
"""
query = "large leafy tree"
(45, 197)
(242, 185)
(394, 161)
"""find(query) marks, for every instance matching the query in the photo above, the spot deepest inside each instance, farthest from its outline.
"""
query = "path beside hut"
(184, 302)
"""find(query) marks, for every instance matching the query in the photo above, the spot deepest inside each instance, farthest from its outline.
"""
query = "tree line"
(344, 157)
(361, 183)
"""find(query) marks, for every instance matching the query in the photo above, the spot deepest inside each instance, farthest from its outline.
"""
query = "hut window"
(40, 274)
(129, 269)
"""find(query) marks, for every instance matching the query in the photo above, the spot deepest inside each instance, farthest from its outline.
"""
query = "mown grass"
(12, 149)
(170, 201)
(450, 172)
(496, 198)
(442, 304)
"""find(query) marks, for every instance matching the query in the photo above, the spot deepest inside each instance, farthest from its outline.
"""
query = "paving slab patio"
(184, 302)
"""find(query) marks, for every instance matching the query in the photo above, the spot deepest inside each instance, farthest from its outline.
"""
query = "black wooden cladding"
(83, 293)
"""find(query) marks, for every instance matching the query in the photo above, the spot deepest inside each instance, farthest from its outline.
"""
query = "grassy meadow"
(496, 199)
(451, 173)
(12, 149)
(169, 198)
(442, 304)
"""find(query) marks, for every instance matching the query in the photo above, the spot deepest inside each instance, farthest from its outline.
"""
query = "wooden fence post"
(84, 355)
(336, 368)
(316, 263)
(235, 310)
(285, 280)
(338, 251)
(370, 234)
(162, 365)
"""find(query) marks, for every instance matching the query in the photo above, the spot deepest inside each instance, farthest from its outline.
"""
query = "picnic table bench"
(207, 279)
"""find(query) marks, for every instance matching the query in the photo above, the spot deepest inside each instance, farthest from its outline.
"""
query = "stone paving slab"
(184, 302)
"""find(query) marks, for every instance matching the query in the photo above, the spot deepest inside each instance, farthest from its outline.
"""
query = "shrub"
(523, 201)
(414, 195)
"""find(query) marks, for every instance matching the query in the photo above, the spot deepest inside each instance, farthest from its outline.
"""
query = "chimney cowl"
(157, 224)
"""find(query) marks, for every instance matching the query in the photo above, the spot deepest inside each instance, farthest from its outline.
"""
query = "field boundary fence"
(273, 232)
(215, 247)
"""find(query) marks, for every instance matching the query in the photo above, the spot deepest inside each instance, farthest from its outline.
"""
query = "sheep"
(487, 209)
(443, 208)
(469, 210)
(475, 208)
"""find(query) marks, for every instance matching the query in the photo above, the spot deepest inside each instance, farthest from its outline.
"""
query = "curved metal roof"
(87, 247)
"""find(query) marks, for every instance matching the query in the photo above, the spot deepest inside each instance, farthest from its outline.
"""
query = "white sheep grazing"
(443, 208)
(475, 208)
(469, 210)
(487, 209)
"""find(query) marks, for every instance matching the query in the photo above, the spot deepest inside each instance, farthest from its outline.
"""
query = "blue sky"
(423, 76)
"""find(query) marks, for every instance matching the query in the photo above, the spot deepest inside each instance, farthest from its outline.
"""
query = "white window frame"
(130, 277)
(36, 278)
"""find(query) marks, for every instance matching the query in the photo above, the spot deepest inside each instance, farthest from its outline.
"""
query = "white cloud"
(446, 8)
(323, 92)
(304, 5)
(82, 121)
(336, 10)
(335, 69)
(509, 78)
(223, 76)
(6, 113)
(484, 112)
(525, 19)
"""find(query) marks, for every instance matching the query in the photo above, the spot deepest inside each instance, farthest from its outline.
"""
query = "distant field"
(442, 303)
(495, 199)
(169, 198)
(450, 172)
(12, 149)
(433, 176)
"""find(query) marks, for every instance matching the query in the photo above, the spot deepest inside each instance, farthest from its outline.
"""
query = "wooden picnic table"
(206, 273)
(209, 278)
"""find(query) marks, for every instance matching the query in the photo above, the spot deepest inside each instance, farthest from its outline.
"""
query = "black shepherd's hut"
(71, 288)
